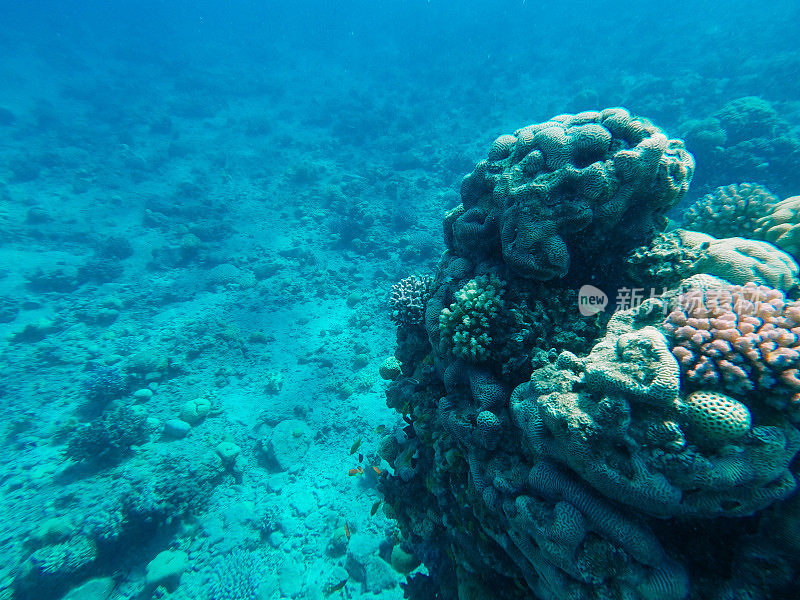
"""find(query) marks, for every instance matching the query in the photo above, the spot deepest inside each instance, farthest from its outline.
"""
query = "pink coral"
(743, 339)
(408, 300)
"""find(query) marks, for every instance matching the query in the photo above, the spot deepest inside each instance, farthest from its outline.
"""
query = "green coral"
(664, 263)
(467, 326)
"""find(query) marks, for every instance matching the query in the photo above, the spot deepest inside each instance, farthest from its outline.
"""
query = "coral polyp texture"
(741, 339)
(548, 455)
(577, 187)
(731, 210)
(741, 260)
(468, 325)
(717, 417)
(408, 298)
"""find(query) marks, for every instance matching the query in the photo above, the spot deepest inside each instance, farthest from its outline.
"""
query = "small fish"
(347, 531)
(360, 457)
(377, 470)
(375, 508)
(352, 472)
(356, 445)
(334, 588)
(380, 429)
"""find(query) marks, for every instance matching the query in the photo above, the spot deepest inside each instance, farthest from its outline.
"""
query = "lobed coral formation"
(740, 260)
(730, 211)
(408, 299)
(551, 193)
(782, 226)
(741, 339)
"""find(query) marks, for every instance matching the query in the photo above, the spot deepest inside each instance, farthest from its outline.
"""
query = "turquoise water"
(283, 316)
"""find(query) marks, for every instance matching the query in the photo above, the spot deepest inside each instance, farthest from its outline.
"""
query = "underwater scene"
(478, 300)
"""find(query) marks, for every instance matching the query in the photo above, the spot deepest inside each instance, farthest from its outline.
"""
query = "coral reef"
(238, 574)
(561, 456)
(679, 254)
(109, 437)
(549, 196)
(745, 140)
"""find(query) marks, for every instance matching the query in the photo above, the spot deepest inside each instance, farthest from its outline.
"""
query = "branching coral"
(467, 326)
(408, 299)
(740, 339)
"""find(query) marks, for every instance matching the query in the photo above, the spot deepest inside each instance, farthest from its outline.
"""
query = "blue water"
(203, 209)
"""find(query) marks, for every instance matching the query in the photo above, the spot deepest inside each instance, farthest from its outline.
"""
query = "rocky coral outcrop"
(558, 191)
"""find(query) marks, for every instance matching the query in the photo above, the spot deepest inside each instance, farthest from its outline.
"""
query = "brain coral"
(740, 260)
(749, 117)
(558, 191)
(676, 255)
(782, 226)
(731, 210)
(740, 339)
